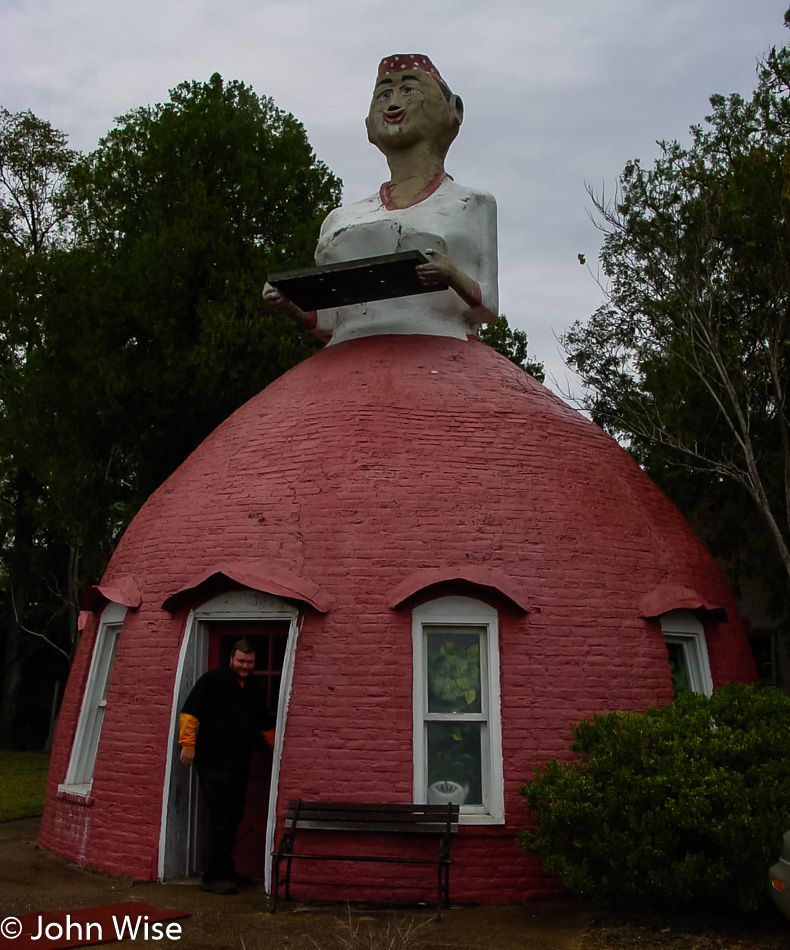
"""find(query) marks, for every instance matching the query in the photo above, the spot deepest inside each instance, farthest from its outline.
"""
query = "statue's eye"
(407, 90)
(385, 94)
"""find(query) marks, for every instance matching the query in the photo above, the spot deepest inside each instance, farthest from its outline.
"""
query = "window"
(79, 777)
(688, 652)
(457, 741)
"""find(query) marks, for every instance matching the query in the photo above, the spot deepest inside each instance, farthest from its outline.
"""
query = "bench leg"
(275, 884)
(288, 878)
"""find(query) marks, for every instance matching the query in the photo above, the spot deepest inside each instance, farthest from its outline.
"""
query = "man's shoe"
(219, 887)
(242, 880)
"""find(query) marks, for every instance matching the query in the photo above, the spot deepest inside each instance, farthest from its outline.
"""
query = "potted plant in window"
(451, 773)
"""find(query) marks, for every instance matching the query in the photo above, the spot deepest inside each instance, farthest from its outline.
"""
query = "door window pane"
(268, 637)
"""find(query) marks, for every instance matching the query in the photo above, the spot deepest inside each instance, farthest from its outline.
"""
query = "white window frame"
(79, 776)
(683, 628)
(465, 612)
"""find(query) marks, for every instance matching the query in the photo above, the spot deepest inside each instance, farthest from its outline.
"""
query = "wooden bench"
(441, 821)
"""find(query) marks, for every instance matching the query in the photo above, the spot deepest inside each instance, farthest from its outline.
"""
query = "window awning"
(122, 590)
(668, 597)
(481, 578)
(254, 576)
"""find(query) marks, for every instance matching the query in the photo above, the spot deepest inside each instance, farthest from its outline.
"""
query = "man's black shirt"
(229, 717)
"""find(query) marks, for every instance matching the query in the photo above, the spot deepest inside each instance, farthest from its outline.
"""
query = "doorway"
(270, 639)
(210, 632)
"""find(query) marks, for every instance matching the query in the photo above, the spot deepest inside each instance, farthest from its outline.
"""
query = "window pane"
(679, 667)
(455, 763)
(108, 658)
(89, 730)
(454, 681)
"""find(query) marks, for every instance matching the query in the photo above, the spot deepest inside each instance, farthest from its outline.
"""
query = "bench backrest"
(372, 817)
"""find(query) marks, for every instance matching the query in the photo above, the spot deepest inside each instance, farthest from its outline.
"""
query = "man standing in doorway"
(223, 714)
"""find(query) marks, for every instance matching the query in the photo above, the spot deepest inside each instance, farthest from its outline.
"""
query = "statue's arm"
(440, 269)
(470, 266)
(306, 320)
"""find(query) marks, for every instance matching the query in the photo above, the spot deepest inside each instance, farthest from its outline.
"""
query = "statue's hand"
(308, 321)
(439, 269)
(274, 297)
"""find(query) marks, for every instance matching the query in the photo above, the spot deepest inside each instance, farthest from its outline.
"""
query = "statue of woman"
(413, 119)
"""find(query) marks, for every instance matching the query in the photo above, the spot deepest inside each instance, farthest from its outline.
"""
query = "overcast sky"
(559, 94)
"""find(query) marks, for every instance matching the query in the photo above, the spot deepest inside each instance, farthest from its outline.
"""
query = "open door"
(210, 633)
(270, 639)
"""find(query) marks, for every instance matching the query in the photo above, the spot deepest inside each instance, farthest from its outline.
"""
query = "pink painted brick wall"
(371, 461)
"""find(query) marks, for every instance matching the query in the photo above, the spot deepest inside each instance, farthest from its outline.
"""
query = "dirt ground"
(32, 880)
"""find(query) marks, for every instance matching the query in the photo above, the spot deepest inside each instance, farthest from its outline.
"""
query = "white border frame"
(463, 611)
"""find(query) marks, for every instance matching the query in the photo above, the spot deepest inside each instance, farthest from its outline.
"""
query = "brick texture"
(376, 459)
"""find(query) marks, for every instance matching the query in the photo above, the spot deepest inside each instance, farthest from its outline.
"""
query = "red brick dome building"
(444, 566)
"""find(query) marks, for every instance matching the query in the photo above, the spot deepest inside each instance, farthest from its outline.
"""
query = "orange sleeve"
(268, 737)
(187, 727)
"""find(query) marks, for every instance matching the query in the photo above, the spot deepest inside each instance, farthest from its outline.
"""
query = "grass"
(395, 935)
(23, 781)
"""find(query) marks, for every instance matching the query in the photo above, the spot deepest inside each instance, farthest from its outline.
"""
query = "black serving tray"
(338, 285)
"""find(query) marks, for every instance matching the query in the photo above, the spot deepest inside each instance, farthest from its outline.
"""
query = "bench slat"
(409, 812)
(373, 827)
(381, 858)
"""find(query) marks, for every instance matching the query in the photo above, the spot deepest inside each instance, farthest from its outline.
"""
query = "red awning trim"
(481, 578)
(677, 597)
(278, 583)
(123, 590)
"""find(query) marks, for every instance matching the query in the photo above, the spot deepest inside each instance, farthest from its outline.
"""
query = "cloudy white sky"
(559, 94)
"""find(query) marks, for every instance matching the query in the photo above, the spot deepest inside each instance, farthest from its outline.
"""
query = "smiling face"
(242, 665)
(410, 107)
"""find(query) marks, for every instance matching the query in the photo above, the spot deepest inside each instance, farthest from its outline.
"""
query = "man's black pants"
(224, 794)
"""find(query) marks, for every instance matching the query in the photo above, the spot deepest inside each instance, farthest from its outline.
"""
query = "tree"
(687, 361)
(34, 164)
(512, 344)
(188, 205)
(135, 327)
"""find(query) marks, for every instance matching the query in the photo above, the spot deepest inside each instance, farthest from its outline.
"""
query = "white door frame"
(179, 831)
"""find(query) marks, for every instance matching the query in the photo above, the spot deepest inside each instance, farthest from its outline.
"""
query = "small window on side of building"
(687, 650)
(457, 733)
(79, 777)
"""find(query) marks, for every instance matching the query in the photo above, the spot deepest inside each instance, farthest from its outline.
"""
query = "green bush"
(686, 803)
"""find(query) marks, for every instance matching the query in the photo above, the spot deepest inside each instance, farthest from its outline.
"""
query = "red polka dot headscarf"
(403, 61)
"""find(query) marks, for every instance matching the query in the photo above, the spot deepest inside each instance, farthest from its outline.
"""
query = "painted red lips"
(394, 116)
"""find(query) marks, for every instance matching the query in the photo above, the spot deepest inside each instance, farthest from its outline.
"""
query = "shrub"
(683, 803)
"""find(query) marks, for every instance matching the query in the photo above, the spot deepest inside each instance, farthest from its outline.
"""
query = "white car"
(779, 878)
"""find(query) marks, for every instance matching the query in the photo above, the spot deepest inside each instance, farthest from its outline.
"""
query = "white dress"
(447, 217)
